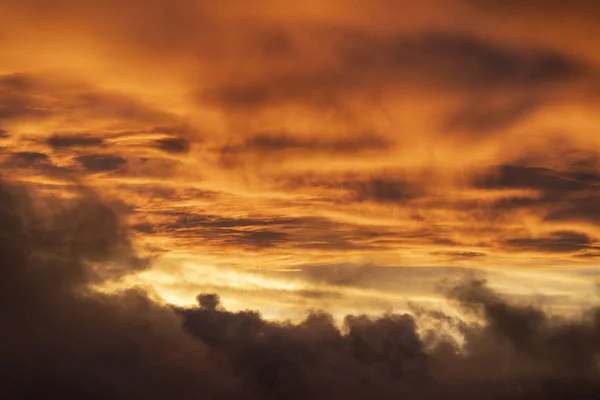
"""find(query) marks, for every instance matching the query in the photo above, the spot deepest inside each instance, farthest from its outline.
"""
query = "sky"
(341, 155)
(299, 200)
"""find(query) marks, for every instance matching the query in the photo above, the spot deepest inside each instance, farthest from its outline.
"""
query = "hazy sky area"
(434, 164)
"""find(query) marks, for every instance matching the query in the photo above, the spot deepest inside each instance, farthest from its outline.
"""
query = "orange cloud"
(444, 133)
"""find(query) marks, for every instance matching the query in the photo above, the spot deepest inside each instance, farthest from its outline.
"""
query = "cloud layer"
(61, 338)
(277, 144)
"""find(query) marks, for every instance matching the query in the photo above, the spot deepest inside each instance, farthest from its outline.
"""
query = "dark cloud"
(66, 141)
(101, 162)
(540, 7)
(457, 255)
(318, 294)
(383, 190)
(30, 157)
(569, 193)
(280, 142)
(467, 61)
(447, 61)
(143, 228)
(208, 301)
(215, 221)
(36, 162)
(173, 145)
(518, 353)
(252, 232)
(311, 359)
(280, 145)
(308, 233)
(559, 242)
(547, 180)
(3, 133)
(396, 187)
(536, 344)
(61, 339)
(262, 238)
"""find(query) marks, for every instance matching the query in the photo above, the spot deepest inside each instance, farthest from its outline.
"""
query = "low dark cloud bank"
(60, 339)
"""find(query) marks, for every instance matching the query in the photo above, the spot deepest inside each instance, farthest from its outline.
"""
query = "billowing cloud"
(51, 254)
(76, 341)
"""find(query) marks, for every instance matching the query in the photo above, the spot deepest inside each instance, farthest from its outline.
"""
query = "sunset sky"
(353, 156)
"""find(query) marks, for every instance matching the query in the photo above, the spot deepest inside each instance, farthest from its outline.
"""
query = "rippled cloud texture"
(340, 155)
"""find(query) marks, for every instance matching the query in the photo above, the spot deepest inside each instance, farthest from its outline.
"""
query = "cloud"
(173, 145)
(215, 221)
(549, 181)
(383, 118)
(35, 163)
(289, 147)
(373, 64)
(581, 209)
(262, 238)
(379, 187)
(31, 157)
(67, 141)
(133, 32)
(460, 255)
(338, 135)
(380, 190)
(260, 232)
(588, 254)
(51, 255)
(15, 98)
(481, 117)
(42, 97)
(463, 60)
(101, 162)
(567, 184)
(60, 338)
(391, 279)
(518, 352)
(285, 146)
(276, 143)
(546, 346)
(268, 232)
(54, 249)
(589, 7)
(558, 242)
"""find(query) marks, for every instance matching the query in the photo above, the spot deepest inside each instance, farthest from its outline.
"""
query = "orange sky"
(344, 154)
